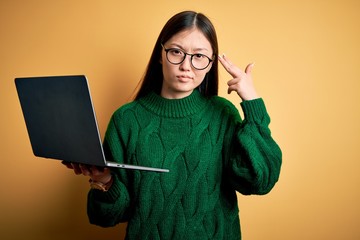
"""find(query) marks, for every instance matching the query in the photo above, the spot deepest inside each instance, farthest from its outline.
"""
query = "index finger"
(229, 66)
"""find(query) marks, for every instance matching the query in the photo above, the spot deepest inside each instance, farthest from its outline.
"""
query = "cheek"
(167, 71)
(200, 76)
(168, 67)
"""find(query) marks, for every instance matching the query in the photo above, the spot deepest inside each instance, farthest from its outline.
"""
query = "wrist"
(249, 96)
(103, 179)
(101, 185)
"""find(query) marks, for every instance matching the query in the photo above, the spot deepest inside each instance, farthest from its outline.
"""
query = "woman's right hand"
(96, 174)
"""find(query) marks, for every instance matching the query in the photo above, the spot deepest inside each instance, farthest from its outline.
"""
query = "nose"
(186, 64)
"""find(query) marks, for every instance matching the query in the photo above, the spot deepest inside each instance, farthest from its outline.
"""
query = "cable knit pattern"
(210, 153)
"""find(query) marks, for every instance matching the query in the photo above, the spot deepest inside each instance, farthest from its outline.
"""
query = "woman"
(178, 122)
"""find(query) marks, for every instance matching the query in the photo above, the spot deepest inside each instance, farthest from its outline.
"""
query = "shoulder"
(225, 108)
(125, 111)
(223, 103)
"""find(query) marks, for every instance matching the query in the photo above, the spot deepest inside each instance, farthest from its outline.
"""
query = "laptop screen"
(60, 118)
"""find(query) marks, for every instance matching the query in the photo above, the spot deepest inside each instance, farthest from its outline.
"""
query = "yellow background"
(307, 68)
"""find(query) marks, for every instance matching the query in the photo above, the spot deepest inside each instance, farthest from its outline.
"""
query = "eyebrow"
(196, 49)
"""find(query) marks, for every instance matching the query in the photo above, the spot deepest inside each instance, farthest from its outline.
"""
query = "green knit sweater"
(210, 152)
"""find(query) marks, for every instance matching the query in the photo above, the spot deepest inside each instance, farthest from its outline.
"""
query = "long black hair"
(153, 77)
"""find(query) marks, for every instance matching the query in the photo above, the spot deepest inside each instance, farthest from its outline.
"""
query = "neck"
(174, 94)
(174, 107)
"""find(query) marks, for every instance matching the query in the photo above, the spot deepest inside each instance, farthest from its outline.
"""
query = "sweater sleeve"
(109, 208)
(255, 158)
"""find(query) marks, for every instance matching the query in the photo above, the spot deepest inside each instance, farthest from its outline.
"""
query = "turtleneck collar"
(173, 108)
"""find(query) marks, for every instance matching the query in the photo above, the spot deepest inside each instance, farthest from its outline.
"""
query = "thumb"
(249, 68)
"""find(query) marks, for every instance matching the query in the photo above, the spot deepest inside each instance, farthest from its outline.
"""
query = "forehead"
(190, 39)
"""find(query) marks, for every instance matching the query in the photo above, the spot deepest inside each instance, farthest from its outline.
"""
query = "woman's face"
(180, 80)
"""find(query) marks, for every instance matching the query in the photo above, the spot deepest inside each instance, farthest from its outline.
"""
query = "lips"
(184, 77)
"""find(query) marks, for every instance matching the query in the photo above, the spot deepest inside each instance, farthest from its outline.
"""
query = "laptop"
(61, 121)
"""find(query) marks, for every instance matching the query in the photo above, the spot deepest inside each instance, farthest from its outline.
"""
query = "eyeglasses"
(176, 56)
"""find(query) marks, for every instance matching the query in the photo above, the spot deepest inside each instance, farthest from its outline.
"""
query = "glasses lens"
(177, 56)
(200, 61)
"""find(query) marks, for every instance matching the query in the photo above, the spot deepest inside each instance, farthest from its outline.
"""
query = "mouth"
(184, 77)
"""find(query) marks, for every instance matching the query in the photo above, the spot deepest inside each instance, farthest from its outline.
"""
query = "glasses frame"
(186, 54)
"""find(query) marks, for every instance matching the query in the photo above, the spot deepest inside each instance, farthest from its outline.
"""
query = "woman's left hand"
(242, 82)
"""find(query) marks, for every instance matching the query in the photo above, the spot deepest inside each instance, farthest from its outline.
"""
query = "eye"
(199, 56)
(176, 52)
